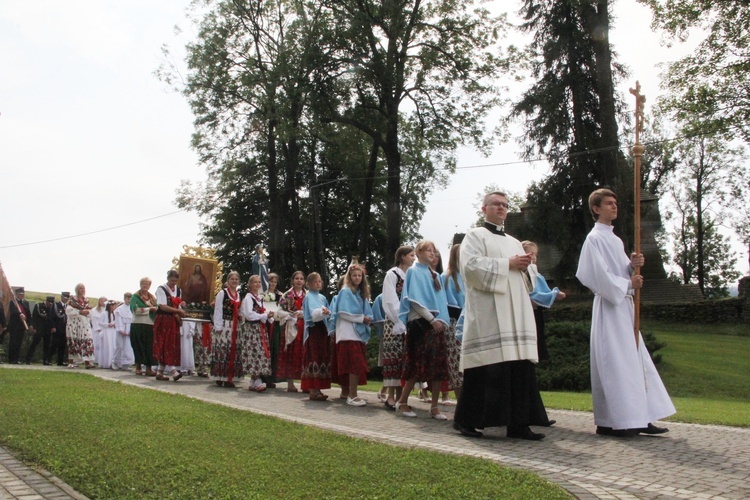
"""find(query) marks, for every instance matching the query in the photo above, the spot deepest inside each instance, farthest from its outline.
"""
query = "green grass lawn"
(110, 440)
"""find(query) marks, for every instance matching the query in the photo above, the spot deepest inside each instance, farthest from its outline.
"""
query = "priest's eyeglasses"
(498, 204)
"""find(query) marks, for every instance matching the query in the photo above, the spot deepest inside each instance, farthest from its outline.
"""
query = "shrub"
(568, 368)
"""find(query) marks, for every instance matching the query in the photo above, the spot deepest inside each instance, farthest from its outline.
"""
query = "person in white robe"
(108, 336)
(187, 354)
(124, 356)
(498, 352)
(96, 333)
(626, 389)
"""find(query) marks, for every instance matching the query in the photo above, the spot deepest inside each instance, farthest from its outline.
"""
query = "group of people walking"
(471, 328)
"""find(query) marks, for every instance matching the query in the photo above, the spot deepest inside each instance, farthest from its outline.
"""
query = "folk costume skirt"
(227, 354)
(80, 341)
(351, 358)
(202, 349)
(256, 351)
(316, 361)
(167, 348)
(425, 353)
(290, 355)
(392, 351)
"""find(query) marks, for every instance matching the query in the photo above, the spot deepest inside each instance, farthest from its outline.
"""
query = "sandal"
(438, 415)
(406, 413)
(161, 376)
(139, 372)
(447, 402)
(176, 375)
(292, 389)
(356, 401)
(219, 383)
(318, 397)
(230, 385)
(257, 385)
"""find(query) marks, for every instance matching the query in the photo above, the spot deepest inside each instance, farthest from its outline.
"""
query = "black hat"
(65, 295)
(18, 289)
(50, 298)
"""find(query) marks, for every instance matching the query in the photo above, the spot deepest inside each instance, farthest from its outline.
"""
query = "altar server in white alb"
(498, 352)
(626, 389)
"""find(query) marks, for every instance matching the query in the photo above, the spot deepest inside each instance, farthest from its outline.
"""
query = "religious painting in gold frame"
(200, 279)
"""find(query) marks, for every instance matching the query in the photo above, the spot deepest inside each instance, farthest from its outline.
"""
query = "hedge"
(730, 310)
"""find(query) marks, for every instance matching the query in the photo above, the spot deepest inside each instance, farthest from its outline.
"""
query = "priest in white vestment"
(626, 389)
(498, 352)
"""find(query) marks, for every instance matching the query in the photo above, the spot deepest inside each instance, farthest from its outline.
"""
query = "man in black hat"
(18, 314)
(58, 322)
(40, 329)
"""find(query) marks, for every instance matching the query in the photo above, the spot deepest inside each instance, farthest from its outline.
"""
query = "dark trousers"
(58, 347)
(44, 338)
(14, 345)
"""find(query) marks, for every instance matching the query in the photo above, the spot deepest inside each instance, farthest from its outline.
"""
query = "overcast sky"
(91, 140)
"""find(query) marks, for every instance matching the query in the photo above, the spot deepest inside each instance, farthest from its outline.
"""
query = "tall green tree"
(569, 115)
(429, 60)
(301, 122)
(702, 198)
(710, 88)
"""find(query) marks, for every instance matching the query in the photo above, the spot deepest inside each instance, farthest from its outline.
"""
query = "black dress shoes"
(609, 431)
(524, 432)
(550, 423)
(467, 431)
(652, 429)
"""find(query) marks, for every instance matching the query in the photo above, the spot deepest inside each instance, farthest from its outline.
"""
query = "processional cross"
(638, 150)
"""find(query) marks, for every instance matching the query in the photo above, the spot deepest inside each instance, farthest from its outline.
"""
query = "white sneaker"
(409, 413)
(356, 401)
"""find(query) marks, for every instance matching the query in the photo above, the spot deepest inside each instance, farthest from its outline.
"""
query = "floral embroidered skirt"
(392, 351)
(80, 341)
(202, 348)
(227, 364)
(256, 351)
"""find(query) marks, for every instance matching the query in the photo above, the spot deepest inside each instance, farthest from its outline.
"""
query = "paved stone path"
(691, 461)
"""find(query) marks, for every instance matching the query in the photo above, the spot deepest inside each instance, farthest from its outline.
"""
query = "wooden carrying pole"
(637, 153)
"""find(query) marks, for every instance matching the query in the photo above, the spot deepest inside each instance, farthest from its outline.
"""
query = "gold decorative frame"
(211, 269)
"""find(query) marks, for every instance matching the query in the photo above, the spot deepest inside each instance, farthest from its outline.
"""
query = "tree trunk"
(365, 224)
(276, 206)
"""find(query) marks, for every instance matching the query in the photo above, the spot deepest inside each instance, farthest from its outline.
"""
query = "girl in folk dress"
(316, 364)
(394, 329)
(424, 309)
(352, 316)
(256, 351)
(78, 330)
(143, 306)
(271, 298)
(291, 317)
(167, 327)
(455, 292)
(226, 344)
